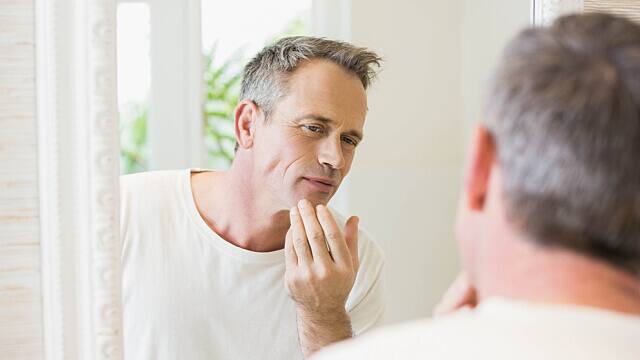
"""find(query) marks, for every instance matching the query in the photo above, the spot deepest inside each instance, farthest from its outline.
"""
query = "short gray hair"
(564, 112)
(265, 76)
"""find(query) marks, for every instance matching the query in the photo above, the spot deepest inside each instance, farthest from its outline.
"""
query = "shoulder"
(389, 342)
(144, 194)
(410, 340)
(150, 186)
(149, 181)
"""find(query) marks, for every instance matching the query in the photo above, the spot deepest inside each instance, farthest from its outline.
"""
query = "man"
(207, 274)
(549, 218)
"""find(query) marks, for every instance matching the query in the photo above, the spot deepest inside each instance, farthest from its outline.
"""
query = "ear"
(481, 158)
(246, 115)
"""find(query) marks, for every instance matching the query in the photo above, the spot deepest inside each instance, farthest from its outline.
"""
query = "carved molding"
(78, 148)
(544, 11)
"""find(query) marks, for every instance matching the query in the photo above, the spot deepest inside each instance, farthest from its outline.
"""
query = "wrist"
(322, 314)
(324, 317)
(318, 329)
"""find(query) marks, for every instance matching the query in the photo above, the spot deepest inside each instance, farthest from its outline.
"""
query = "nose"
(331, 154)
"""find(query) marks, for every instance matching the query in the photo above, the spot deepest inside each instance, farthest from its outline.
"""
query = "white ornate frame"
(78, 172)
(544, 11)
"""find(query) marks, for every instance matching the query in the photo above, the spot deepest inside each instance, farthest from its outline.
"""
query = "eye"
(313, 128)
(350, 141)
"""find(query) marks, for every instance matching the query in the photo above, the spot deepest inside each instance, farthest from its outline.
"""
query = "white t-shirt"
(189, 294)
(502, 329)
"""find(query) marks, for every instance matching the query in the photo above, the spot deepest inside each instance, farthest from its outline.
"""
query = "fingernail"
(304, 203)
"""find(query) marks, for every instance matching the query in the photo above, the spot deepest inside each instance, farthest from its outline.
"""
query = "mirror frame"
(544, 11)
(78, 178)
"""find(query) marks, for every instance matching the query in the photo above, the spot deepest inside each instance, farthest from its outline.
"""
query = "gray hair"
(265, 76)
(564, 112)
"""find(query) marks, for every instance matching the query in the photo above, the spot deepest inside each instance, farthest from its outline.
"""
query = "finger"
(291, 259)
(455, 295)
(351, 237)
(334, 236)
(300, 244)
(313, 230)
(460, 294)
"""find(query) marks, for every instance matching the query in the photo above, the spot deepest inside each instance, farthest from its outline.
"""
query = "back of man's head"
(564, 112)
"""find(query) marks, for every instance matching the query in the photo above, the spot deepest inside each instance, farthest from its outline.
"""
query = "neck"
(238, 211)
(558, 276)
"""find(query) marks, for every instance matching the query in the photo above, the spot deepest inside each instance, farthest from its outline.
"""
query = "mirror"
(130, 86)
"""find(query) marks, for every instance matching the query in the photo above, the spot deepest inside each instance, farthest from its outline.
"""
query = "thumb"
(459, 295)
(351, 238)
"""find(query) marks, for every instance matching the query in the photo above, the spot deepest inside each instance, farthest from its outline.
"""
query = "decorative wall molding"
(544, 11)
(78, 175)
(627, 8)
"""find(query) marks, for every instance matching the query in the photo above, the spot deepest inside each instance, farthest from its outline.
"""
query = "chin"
(316, 199)
(317, 202)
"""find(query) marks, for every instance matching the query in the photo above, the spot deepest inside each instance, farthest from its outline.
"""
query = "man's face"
(306, 147)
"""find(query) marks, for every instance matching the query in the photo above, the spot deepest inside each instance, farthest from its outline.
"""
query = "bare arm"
(319, 330)
(322, 263)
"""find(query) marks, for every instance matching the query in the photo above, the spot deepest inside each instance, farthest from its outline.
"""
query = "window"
(179, 65)
(230, 37)
(133, 85)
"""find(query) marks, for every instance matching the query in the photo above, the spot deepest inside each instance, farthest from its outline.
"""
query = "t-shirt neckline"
(184, 187)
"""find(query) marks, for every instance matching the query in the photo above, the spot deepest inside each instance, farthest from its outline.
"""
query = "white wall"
(486, 28)
(406, 178)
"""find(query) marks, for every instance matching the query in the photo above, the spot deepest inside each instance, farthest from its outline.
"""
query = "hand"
(321, 262)
(461, 294)
(321, 267)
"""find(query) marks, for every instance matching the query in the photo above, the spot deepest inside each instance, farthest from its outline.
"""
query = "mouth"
(321, 184)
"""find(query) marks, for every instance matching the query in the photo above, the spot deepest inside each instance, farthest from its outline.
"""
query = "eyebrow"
(328, 121)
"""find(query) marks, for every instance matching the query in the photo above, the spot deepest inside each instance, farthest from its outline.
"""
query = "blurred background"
(179, 65)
